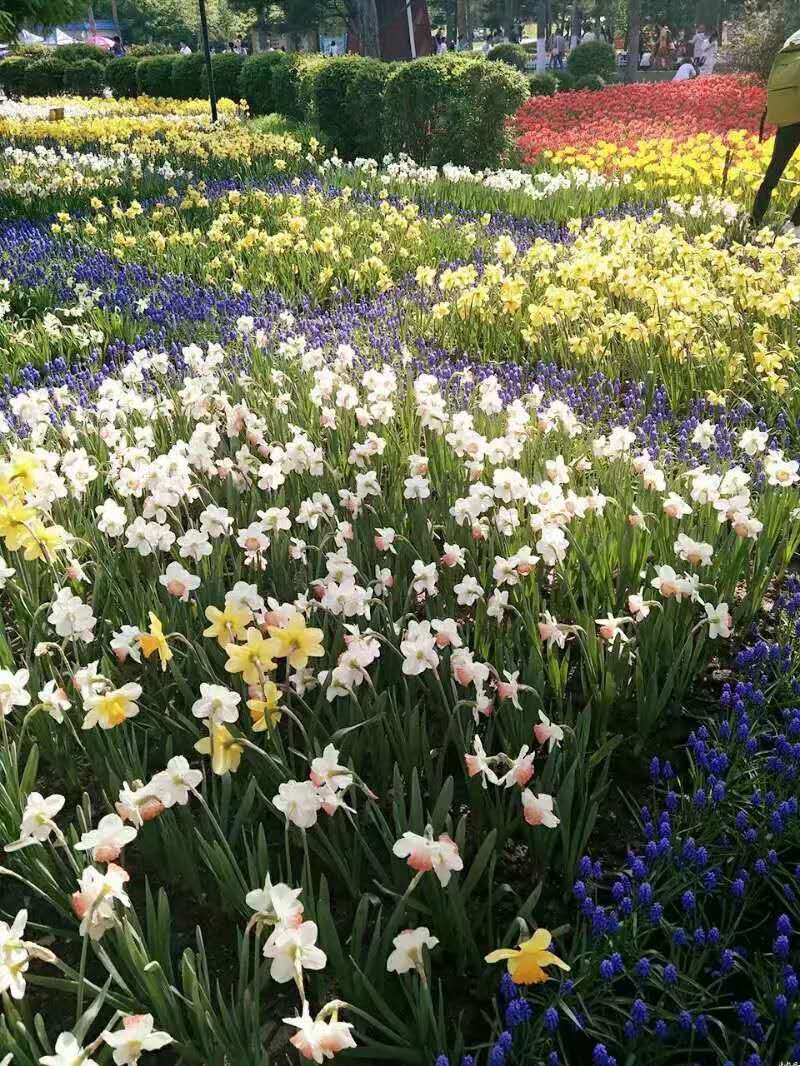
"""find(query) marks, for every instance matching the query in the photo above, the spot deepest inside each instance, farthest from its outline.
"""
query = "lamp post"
(212, 95)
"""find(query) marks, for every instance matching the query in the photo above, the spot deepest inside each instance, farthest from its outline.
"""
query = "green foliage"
(596, 57)
(590, 81)
(307, 72)
(12, 74)
(121, 77)
(269, 83)
(364, 106)
(474, 131)
(542, 85)
(44, 77)
(155, 48)
(187, 75)
(154, 75)
(87, 77)
(513, 54)
(15, 13)
(416, 100)
(564, 79)
(227, 67)
(74, 53)
(756, 38)
(330, 92)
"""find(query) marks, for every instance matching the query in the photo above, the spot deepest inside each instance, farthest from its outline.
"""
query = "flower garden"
(399, 630)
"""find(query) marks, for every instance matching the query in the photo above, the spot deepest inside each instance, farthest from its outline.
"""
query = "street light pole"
(212, 95)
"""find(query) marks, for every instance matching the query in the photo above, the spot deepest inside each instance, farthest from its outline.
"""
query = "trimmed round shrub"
(474, 130)
(364, 106)
(416, 99)
(564, 79)
(121, 77)
(154, 75)
(595, 57)
(513, 54)
(187, 76)
(87, 77)
(307, 70)
(330, 91)
(542, 85)
(44, 77)
(227, 67)
(12, 74)
(270, 82)
(75, 53)
(590, 81)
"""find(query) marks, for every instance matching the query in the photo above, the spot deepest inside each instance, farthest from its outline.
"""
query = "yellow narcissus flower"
(229, 624)
(155, 641)
(526, 963)
(295, 642)
(43, 542)
(225, 753)
(265, 711)
(14, 523)
(252, 659)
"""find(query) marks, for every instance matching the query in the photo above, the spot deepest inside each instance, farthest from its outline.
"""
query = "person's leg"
(786, 141)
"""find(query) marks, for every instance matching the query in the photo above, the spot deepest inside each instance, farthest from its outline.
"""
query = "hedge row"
(28, 75)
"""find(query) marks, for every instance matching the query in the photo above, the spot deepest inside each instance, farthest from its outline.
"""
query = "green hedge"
(416, 99)
(542, 85)
(154, 75)
(595, 57)
(227, 67)
(474, 129)
(187, 76)
(44, 77)
(76, 53)
(349, 93)
(307, 72)
(121, 77)
(513, 54)
(270, 82)
(12, 74)
(590, 81)
(87, 77)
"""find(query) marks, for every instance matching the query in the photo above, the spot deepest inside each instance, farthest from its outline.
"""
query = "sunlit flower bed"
(383, 558)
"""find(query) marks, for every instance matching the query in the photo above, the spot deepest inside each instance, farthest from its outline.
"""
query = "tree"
(634, 33)
(47, 13)
(172, 21)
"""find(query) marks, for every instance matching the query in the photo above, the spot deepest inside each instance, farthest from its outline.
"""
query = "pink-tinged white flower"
(453, 555)
(497, 605)
(538, 810)
(299, 802)
(94, 901)
(38, 820)
(179, 582)
(669, 584)
(638, 606)
(139, 805)
(68, 1053)
(510, 688)
(54, 701)
(447, 635)
(125, 644)
(468, 672)
(275, 904)
(520, 770)
(136, 1036)
(424, 853)
(318, 1039)
(610, 629)
(217, 704)
(480, 763)
(13, 692)
(720, 623)
(107, 841)
(325, 770)
(552, 545)
(524, 560)
(425, 577)
(173, 785)
(468, 591)
(675, 506)
(547, 732)
(384, 539)
(637, 519)
(745, 525)
(293, 948)
(408, 950)
(418, 649)
(696, 552)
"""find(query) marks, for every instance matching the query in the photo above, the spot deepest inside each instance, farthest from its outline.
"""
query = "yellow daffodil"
(229, 624)
(221, 745)
(265, 711)
(252, 659)
(526, 963)
(295, 642)
(155, 641)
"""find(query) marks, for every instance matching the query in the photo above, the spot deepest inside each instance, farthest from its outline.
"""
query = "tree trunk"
(368, 29)
(115, 15)
(634, 33)
(576, 19)
(508, 19)
(541, 37)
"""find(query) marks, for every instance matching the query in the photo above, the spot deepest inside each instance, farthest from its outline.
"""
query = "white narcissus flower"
(6, 572)
(108, 840)
(13, 692)
(94, 900)
(424, 853)
(276, 904)
(468, 591)
(407, 954)
(325, 770)
(134, 1038)
(418, 649)
(538, 810)
(54, 700)
(720, 623)
(696, 552)
(173, 785)
(179, 582)
(293, 948)
(68, 1053)
(71, 617)
(217, 704)
(37, 820)
(299, 801)
(318, 1039)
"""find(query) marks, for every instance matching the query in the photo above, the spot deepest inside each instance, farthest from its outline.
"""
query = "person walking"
(558, 47)
(710, 58)
(783, 111)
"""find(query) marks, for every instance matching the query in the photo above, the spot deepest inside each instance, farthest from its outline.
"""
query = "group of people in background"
(689, 55)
